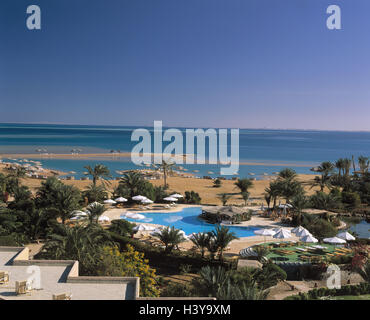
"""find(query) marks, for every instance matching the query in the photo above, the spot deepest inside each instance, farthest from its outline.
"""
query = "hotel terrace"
(59, 280)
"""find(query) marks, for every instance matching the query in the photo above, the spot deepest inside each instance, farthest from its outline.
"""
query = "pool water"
(188, 221)
(362, 229)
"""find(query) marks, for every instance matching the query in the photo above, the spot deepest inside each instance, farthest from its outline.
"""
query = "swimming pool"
(187, 220)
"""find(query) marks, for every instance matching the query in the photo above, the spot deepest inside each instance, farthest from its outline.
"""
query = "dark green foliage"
(95, 193)
(270, 275)
(351, 199)
(121, 227)
(217, 183)
(192, 197)
(322, 200)
(58, 199)
(82, 242)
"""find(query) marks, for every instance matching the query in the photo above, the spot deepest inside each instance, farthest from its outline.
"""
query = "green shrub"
(351, 199)
(9, 241)
(355, 290)
(192, 197)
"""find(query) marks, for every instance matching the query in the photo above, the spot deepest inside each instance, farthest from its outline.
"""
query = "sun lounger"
(22, 287)
(62, 296)
(4, 277)
(301, 249)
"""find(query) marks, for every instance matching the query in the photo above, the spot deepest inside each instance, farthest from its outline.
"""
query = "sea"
(262, 152)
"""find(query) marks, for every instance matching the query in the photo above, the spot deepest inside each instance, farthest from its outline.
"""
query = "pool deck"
(235, 245)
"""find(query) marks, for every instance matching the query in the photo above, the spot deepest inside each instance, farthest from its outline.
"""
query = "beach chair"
(22, 287)
(62, 296)
(4, 277)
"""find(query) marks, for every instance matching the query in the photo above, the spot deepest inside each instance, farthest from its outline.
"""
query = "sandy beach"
(127, 155)
(181, 184)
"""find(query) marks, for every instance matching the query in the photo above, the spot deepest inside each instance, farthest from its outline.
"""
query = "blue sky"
(189, 63)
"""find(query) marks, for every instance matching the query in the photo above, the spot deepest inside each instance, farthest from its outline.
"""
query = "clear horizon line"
(182, 127)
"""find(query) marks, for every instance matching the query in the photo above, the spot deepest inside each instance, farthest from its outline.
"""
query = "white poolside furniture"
(4, 277)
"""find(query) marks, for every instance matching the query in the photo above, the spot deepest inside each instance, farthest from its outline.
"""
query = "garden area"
(304, 252)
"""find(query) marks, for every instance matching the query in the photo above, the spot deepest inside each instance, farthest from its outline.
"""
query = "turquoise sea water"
(298, 149)
(187, 220)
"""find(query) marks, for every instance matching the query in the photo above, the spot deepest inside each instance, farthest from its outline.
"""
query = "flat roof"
(54, 281)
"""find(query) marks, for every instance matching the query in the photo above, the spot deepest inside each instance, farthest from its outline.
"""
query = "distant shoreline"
(127, 155)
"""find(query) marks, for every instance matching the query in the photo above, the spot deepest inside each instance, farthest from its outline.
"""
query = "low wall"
(22, 259)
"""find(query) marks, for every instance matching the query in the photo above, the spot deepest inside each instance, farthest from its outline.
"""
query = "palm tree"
(245, 196)
(340, 165)
(267, 197)
(167, 168)
(326, 169)
(346, 166)
(299, 202)
(66, 202)
(212, 246)
(95, 193)
(100, 171)
(273, 192)
(244, 184)
(287, 174)
(133, 182)
(212, 280)
(170, 237)
(363, 163)
(59, 199)
(201, 240)
(82, 243)
(223, 236)
(94, 211)
(224, 197)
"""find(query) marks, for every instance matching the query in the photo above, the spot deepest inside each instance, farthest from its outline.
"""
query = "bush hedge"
(172, 262)
(354, 290)
(8, 241)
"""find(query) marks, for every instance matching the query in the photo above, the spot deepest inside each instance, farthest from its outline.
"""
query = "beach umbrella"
(282, 234)
(136, 216)
(170, 199)
(110, 201)
(281, 229)
(334, 240)
(143, 227)
(146, 201)
(346, 236)
(309, 239)
(121, 199)
(176, 195)
(139, 198)
(265, 233)
(103, 218)
(303, 233)
(285, 206)
(298, 229)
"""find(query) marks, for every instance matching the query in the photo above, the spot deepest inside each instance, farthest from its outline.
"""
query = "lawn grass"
(294, 257)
